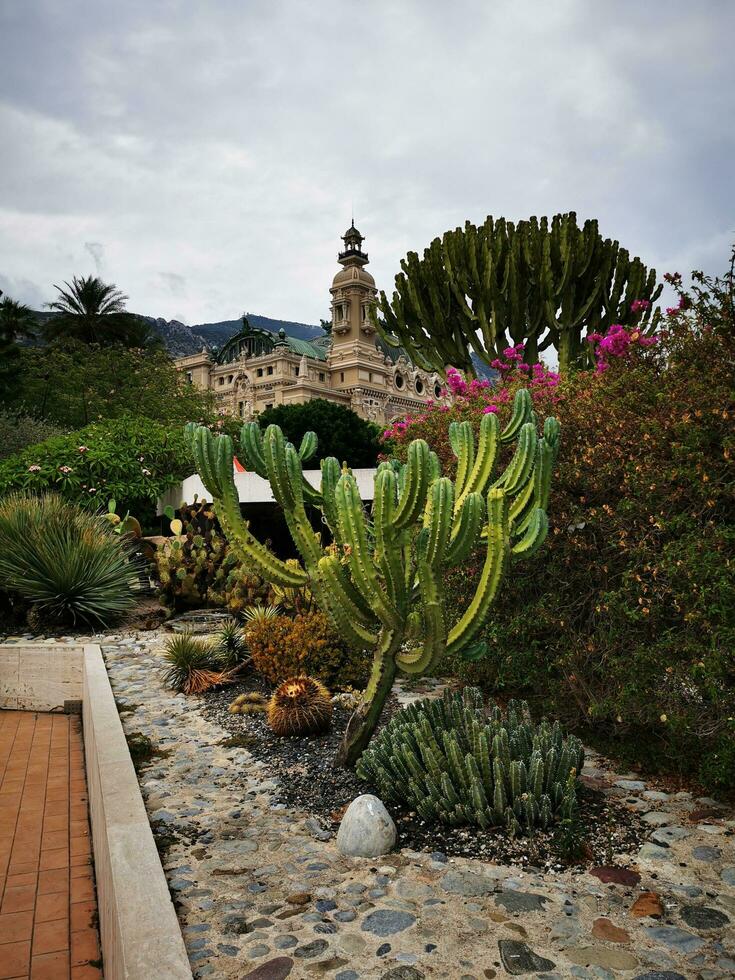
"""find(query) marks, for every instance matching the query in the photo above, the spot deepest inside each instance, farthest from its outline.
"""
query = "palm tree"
(16, 320)
(93, 312)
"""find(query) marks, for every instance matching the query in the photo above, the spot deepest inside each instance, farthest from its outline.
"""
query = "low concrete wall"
(140, 934)
(41, 677)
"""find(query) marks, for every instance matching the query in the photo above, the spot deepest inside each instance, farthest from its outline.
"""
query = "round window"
(419, 386)
(437, 390)
(399, 381)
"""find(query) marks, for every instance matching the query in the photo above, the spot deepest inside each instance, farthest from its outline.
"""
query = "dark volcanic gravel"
(307, 779)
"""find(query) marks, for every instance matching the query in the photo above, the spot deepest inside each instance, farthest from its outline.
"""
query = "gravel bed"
(307, 779)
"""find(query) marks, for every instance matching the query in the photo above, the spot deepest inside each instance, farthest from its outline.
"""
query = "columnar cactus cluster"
(380, 579)
(455, 763)
(543, 283)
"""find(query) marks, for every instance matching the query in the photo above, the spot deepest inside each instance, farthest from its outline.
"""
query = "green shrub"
(340, 432)
(456, 763)
(282, 647)
(626, 630)
(64, 561)
(18, 430)
(134, 460)
(75, 384)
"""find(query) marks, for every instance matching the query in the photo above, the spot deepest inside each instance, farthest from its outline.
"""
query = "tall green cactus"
(540, 282)
(381, 582)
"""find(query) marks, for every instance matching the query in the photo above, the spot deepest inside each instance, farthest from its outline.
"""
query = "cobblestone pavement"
(263, 893)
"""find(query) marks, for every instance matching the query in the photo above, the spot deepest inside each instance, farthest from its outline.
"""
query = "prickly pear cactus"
(196, 568)
(456, 763)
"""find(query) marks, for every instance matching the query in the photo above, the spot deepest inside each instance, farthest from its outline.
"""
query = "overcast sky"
(205, 156)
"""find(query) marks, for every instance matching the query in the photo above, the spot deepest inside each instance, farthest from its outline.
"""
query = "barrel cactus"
(300, 706)
(456, 763)
(381, 578)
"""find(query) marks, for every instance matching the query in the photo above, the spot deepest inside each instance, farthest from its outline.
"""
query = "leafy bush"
(134, 460)
(455, 763)
(340, 432)
(75, 384)
(626, 630)
(64, 561)
(282, 647)
(18, 430)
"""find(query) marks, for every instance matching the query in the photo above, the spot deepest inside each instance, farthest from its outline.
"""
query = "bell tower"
(353, 294)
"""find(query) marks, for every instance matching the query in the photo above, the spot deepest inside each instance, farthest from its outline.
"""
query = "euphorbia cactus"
(381, 581)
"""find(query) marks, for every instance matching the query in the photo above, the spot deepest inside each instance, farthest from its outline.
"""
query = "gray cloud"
(97, 251)
(225, 142)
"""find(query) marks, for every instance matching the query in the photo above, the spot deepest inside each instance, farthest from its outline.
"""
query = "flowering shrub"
(282, 647)
(133, 460)
(626, 629)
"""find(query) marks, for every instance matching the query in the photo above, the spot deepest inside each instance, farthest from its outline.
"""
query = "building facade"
(349, 364)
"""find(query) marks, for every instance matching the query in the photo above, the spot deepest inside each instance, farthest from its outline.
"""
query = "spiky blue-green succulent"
(456, 763)
(381, 582)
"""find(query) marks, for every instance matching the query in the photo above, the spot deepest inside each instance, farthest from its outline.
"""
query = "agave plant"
(193, 665)
(64, 561)
(261, 614)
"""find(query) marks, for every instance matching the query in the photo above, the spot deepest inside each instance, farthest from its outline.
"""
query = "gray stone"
(521, 901)
(367, 829)
(465, 883)
(386, 922)
(403, 973)
(675, 938)
(728, 875)
(255, 952)
(518, 958)
(658, 818)
(706, 853)
(285, 942)
(652, 852)
(346, 916)
(702, 917)
(660, 975)
(347, 975)
(665, 836)
(652, 794)
(634, 785)
(311, 949)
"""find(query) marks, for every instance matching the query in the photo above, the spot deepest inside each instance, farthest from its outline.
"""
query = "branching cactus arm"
(381, 582)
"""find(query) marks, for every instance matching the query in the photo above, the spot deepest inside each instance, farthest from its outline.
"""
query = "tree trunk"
(367, 714)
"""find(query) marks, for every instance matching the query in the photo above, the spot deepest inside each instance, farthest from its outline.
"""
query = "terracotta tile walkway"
(48, 911)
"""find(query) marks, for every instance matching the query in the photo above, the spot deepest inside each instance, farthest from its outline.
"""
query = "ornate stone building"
(349, 364)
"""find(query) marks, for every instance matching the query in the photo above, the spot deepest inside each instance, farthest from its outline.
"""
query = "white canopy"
(253, 489)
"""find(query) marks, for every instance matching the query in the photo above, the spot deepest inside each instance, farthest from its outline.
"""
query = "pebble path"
(263, 894)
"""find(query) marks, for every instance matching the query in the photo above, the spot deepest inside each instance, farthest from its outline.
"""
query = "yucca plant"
(64, 561)
(193, 665)
(232, 647)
